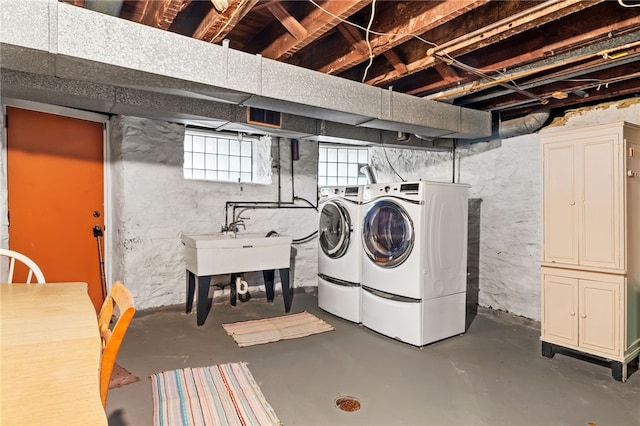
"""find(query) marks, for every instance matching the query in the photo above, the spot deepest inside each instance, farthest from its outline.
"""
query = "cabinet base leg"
(619, 371)
(548, 351)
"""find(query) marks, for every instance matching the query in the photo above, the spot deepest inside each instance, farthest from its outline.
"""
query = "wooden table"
(50, 356)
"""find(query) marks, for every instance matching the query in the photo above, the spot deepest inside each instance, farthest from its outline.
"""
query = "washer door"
(334, 229)
(387, 234)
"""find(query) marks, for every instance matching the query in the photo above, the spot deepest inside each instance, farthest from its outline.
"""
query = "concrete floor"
(491, 375)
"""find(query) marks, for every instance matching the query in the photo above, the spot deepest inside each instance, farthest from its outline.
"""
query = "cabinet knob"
(573, 203)
(583, 315)
(573, 314)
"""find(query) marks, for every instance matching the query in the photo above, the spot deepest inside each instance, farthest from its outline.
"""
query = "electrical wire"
(384, 149)
(623, 4)
(305, 239)
(367, 33)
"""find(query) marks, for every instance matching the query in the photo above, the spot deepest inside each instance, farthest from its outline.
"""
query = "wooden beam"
(395, 60)
(448, 74)
(215, 26)
(416, 18)
(539, 14)
(289, 22)
(317, 24)
(355, 39)
(563, 40)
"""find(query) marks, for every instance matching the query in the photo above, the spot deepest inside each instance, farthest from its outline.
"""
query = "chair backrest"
(33, 271)
(118, 302)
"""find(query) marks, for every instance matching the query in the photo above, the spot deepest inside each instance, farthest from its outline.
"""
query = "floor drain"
(348, 403)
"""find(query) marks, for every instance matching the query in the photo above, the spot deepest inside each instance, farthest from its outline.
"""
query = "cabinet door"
(559, 315)
(599, 316)
(599, 218)
(559, 204)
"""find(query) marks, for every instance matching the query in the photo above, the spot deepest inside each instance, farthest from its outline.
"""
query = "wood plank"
(50, 350)
(539, 14)
(416, 18)
(289, 22)
(353, 36)
(215, 26)
(317, 23)
(395, 60)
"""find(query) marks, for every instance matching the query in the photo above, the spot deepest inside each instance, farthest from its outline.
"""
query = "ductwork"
(108, 7)
(515, 127)
(63, 41)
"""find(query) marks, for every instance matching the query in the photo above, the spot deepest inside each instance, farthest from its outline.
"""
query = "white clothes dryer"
(415, 260)
(339, 251)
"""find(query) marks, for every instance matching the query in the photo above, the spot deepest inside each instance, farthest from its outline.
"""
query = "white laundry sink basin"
(225, 253)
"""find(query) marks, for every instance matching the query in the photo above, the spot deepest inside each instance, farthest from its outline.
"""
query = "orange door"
(56, 195)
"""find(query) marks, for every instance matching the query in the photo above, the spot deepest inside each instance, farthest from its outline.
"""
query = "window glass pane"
(234, 147)
(207, 154)
(362, 180)
(245, 149)
(234, 164)
(198, 144)
(223, 163)
(198, 160)
(211, 146)
(210, 161)
(341, 165)
(223, 146)
(245, 164)
(322, 154)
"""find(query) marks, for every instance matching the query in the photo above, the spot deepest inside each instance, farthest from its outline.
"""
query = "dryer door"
(334, 229)
(387, 234)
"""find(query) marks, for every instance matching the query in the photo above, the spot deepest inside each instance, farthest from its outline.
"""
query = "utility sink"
(226, 253)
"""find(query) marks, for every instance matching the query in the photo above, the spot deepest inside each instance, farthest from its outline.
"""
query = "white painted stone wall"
(153, 205)
(505, 208)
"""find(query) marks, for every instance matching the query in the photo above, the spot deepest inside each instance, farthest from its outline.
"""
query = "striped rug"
(224, 394)
(257, 332)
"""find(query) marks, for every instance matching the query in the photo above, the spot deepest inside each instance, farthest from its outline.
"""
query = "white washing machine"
(340, 251)
(414, 260)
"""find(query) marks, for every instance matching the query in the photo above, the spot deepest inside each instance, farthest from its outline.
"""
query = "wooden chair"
(33, 269)
(119, 302)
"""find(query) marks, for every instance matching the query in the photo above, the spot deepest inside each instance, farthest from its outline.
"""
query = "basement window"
(339, 165)
(226, 157)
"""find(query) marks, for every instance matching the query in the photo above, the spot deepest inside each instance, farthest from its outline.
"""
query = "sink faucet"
(238, 221)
